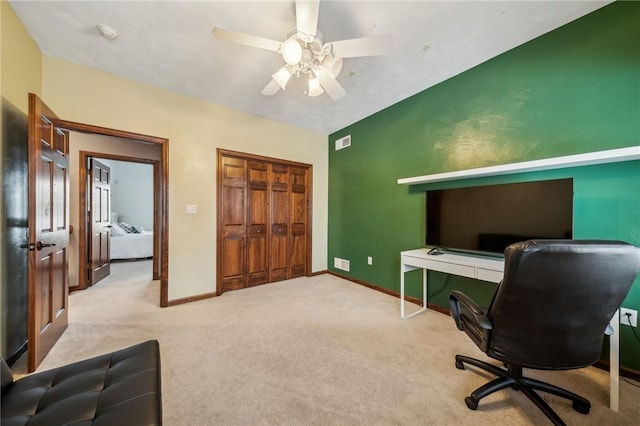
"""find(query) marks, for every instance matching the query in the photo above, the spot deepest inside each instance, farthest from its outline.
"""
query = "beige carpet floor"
(309, 351)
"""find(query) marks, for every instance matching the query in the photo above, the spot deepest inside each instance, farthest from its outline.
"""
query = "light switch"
(192, 209)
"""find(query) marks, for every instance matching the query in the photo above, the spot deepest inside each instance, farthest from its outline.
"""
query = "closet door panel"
(279, 238)
(233, 265)
(233, 214)
(279, 254)
(232, 225)
(298, 251)
(299, 215)
(258, 209)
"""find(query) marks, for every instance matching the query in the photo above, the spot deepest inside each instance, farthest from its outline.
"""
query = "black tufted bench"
(120, 388)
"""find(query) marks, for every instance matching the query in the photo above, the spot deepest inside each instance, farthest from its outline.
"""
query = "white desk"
(481, 268)
(490, 269)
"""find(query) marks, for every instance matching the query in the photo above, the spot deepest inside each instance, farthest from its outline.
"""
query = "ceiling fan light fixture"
(291, 51)
(305, 53)
(314, 88)
(333, 65)
(281, 77)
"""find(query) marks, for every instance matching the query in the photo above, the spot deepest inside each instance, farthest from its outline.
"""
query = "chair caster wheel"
(580, 407)
(459, 365)
(472, 404)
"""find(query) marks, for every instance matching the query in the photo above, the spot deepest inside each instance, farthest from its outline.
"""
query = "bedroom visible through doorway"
(130, 213)
(120, 225)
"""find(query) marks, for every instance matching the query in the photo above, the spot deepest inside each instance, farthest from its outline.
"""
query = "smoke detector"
(107, 32)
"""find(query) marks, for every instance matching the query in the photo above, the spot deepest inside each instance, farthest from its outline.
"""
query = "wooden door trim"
(309, 229)
(221, 153)
(89, 128)
(161, 197)
(245, 156)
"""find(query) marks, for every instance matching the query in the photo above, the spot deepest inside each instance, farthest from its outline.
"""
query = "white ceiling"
(169, 44)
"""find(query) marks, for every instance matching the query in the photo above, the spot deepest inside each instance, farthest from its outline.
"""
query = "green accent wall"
(573, 90)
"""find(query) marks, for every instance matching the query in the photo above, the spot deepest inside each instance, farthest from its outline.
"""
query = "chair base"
(512, 377)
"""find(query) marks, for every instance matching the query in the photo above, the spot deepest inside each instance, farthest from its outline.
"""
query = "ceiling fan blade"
(307, 17)
(246, 39)
(366, 46)
(330, 85)
(271, 88)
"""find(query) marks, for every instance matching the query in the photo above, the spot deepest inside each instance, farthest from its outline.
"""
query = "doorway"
(117, 200)
(160, 177)
(86, 246)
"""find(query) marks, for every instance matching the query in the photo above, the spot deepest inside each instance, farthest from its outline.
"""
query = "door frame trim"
(161, 197)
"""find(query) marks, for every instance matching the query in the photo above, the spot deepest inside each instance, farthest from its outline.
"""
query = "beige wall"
(98, 144)
(195, 128)
(21, 66)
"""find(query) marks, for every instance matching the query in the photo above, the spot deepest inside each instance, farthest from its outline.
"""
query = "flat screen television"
(486, 219)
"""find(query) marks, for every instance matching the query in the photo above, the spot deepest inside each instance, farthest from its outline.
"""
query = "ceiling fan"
(306, 54)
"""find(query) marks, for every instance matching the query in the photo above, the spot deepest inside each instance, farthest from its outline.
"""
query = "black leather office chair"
(550, 312)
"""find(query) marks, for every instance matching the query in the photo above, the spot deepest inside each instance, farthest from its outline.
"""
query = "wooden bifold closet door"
(264, 220)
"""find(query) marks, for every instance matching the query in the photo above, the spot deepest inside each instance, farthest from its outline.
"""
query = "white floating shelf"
(588, 159)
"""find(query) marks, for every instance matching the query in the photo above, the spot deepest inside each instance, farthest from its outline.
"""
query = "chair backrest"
(556, 300)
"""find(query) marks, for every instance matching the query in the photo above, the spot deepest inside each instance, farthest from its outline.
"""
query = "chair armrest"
(471, 319)
(461, 303)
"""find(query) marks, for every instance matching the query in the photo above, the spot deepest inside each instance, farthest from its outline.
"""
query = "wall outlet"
(632, 320)
(369, 260)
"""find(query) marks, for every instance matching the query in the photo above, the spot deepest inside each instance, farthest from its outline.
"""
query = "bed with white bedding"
(130, 242)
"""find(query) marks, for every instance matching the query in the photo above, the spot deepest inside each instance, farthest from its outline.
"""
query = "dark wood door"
(257, 230)
(232, 223)
(99, 221)
(279, 215)
(48, 287)
(299, 213)
(264, 220)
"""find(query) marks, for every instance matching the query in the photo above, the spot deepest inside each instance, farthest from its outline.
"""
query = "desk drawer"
(490, 275)
(440, 264)
(452, 268)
